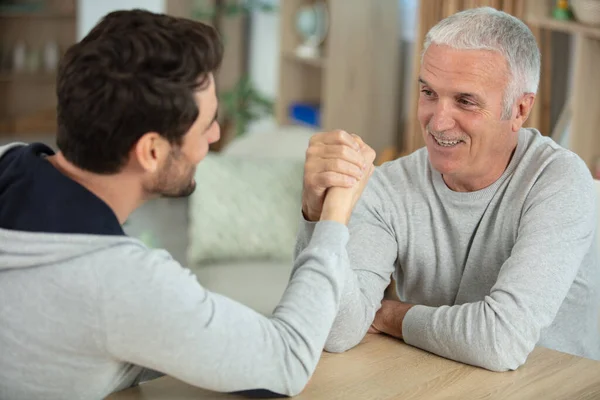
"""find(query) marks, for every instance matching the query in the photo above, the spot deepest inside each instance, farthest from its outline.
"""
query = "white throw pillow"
(245, 208)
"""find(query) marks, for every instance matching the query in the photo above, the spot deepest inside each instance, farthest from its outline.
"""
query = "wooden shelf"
(572, 27)
(584, 99)
(38, 122)
(319, 62)
(28, 99)
(36, 15)
(39, 77)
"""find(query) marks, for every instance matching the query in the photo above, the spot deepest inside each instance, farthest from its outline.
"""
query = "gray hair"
(486, 28)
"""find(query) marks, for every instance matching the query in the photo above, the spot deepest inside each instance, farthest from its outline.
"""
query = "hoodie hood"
(45, 216)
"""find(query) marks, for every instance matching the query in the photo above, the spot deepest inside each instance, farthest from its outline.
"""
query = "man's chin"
(186, 192)
(442, 165)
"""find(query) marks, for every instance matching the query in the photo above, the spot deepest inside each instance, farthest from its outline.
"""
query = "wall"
(89, 12)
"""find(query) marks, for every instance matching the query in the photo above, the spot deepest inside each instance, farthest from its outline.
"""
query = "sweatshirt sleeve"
(372, 251)
(498, 333)
(158, 316)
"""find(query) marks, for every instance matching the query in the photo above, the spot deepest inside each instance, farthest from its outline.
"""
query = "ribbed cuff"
(305, 231)
(416, 326)
(329, 234)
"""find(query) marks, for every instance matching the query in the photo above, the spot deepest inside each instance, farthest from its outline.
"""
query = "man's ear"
(524, 107)
(150, 151)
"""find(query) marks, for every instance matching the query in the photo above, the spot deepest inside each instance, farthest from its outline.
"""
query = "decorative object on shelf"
(586, 11)
(562, 11)
(308, 114)
(33, 60)
(312, 24)
(51, 56)
(19, 57)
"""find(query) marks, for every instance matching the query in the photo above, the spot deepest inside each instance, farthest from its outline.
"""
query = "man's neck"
(475, 183)
(120, 191)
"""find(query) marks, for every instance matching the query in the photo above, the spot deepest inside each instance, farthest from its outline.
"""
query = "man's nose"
(442, 119)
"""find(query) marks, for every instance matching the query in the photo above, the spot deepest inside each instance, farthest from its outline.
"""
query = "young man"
(489, 230)
(86, 310)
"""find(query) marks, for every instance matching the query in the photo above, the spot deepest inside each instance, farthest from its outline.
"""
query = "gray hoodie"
(83, 314)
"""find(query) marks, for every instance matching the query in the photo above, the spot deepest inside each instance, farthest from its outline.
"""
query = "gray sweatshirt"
(83, 315)
(493, 273)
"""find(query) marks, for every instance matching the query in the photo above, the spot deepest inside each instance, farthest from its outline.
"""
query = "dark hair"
(135, 72)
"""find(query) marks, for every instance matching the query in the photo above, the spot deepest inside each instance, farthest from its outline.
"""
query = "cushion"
(283, 142)
(257, 284)
(245, 208)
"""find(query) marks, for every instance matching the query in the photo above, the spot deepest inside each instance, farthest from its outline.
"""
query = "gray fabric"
(493, 272)
(80, 315)
(257, 284)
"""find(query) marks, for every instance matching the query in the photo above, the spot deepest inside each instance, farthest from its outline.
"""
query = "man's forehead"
(478, 62)
(471, 72)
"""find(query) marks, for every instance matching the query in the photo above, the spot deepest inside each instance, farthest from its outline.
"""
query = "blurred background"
(291, 68)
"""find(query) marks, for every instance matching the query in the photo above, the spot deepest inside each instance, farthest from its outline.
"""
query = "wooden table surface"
(385, 368)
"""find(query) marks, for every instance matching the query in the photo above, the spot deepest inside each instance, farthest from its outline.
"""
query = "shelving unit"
(356, 80)
(28, 97)
(584, 137)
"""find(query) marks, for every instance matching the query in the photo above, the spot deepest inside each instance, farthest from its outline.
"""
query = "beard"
(175, 179)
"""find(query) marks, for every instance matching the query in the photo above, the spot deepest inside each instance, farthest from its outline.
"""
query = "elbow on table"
(290, 385)
(336, 347)
(504, 358)
(337, 344)
(298, 386)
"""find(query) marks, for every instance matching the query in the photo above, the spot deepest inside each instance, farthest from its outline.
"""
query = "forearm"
(483, 333)
(303, 236)
(213, 342)
(353, 319)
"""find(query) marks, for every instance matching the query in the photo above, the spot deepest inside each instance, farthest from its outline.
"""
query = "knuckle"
(324, 180)
(339, 134)
(347, 153)
(337, 164)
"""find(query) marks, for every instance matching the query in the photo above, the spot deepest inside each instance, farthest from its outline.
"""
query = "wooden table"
(385, 368)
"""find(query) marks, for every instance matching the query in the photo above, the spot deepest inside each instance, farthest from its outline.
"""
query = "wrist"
(392, 318)
(335, 216)
(337, 206)
(307, 215)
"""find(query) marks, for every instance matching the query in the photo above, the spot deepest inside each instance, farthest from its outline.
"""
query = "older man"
(489, 230)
